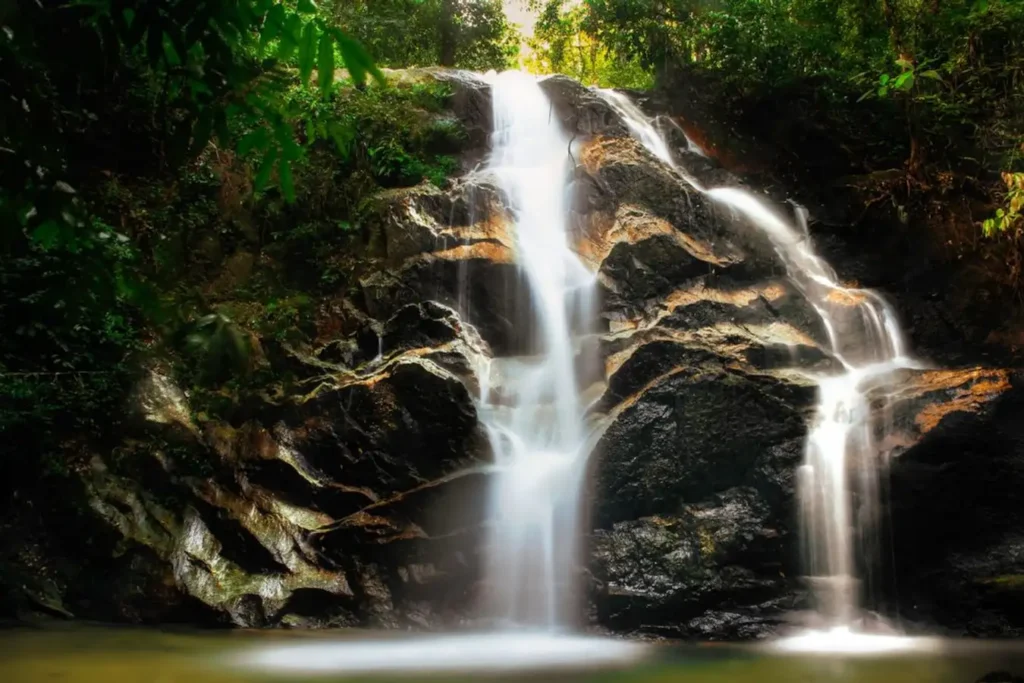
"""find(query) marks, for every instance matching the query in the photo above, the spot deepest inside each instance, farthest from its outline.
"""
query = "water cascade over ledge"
(839, 482)
(531, 405)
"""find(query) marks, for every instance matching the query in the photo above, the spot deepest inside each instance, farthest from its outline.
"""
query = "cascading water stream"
(839, 481)
(531, 405)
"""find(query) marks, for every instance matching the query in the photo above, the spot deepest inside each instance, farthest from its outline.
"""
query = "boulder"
(958, 550)
(710, 570)
(582, 111)
(282, 519)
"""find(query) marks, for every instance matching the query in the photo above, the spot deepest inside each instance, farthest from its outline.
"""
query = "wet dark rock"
(668, 445)
(397, 433)
(673, 574)
(773, 475)
(645, 270)
(159, 407)
(957, 539)
(497, 299)
(1000, 677)
(366, 455)
(411, 221)
(422, 326)
(580, 109)
(247, 611)
(312, 608)
(650, 362)
(345, 352)
(622, 172)
(725, 625)
(430, 328)
(471, 104)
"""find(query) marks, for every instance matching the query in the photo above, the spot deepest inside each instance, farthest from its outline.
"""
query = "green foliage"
(902, 81)
(563, 43)
(748, 41)
(219, 63)
(102, 89)
(404, 33)
(286, 319)
(219, 347)
(393, 133)
(951, 69)
(403, 137)
(70, 326)
(1008, 219)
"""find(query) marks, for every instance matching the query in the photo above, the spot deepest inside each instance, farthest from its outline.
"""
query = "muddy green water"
(107, 655)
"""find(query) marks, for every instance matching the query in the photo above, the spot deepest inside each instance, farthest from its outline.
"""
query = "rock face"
(694, 572)
(353, 494)
(959, 551)
(358, 459)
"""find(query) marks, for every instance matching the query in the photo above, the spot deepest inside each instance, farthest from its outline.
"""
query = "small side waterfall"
(839, 481)
(531, 405)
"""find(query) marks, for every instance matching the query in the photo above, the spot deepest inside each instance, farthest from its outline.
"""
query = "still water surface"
(74, 654)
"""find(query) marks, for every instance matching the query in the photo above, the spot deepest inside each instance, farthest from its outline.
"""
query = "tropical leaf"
(905, 81)
(291, 35)
(175, 49)
(342, 136)
(47, 235)
(266, 166)
(273, 25)
(325, 62)
(307, 51)
(219, 346)
(357, 59)
(290, 149)
(257, 139)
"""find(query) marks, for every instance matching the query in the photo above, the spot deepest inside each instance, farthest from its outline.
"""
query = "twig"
(867, 206)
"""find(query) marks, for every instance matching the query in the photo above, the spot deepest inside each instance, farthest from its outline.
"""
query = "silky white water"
(531, 404)
(465, 654)
(838, 483)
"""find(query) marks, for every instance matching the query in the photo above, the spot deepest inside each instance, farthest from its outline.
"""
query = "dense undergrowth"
(185, 192)
(219, 257)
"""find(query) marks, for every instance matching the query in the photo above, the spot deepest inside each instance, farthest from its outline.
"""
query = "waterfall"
(839, 481)
(530, 405)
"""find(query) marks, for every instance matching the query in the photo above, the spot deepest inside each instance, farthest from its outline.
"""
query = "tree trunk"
(447, 38)
(915, 164)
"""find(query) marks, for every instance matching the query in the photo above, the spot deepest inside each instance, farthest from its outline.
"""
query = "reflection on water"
(845, 641)
(69, 654)
(479, 652)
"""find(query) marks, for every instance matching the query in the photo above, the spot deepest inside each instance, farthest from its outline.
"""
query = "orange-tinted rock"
(961, 391)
